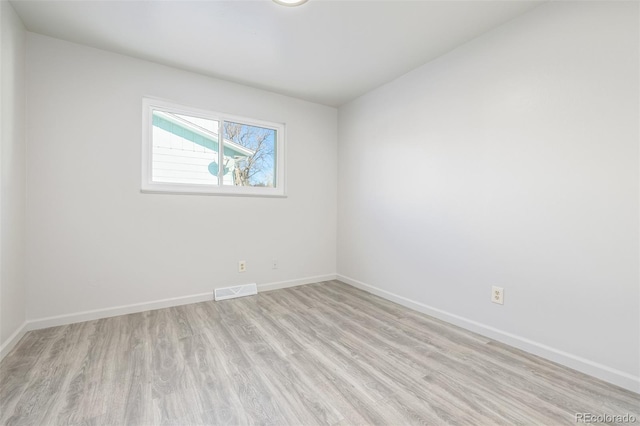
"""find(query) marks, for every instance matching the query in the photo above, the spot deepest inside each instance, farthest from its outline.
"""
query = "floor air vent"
(236, 291)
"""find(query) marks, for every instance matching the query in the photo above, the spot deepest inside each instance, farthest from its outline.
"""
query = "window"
(182, 151)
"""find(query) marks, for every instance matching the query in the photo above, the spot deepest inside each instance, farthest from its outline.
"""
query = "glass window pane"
(249, 155)
(184, 149)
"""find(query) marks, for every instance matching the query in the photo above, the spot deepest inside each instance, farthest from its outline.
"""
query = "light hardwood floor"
(324, 353)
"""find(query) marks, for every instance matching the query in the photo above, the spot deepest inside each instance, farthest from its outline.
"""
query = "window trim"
(149, 186)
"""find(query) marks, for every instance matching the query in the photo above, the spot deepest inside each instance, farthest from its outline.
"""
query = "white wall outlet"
(274, 264)
(497, 295)
(242, 266)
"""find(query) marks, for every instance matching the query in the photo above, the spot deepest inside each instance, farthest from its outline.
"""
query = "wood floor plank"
(168, 366)
(215, 397)
(83, 383)
(402, 378)
(248, 383)
(349, 397)
(32, 347)
(320, 354)
(293, 387)
(133, 386)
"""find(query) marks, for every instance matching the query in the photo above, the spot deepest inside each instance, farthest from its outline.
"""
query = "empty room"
(319, 212)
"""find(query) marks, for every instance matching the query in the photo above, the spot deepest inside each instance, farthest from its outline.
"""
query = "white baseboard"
(39, 323)
(294, 283)
(9, 344)
(606, 373)
(586, 366)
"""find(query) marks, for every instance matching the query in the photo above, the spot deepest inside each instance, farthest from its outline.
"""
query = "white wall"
(94, 241)
(12, 177)
(516, 164)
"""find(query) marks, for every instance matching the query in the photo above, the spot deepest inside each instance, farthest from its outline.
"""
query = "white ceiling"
(323, 51)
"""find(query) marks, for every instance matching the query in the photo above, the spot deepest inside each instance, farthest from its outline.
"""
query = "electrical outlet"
(274, 264)
(242, 266)
(497, 295)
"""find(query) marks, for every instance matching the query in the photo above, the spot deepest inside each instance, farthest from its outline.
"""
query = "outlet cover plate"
(497, 295)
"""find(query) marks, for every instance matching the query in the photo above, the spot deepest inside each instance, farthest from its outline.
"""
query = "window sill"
(229, 191)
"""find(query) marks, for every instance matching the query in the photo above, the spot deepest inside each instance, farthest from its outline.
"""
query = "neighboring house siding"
(183, 156)
(180, 160)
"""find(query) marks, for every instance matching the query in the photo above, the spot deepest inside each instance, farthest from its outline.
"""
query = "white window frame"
(148, 185)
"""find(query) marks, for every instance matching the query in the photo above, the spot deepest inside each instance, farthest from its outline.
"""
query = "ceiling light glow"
(290, 2)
